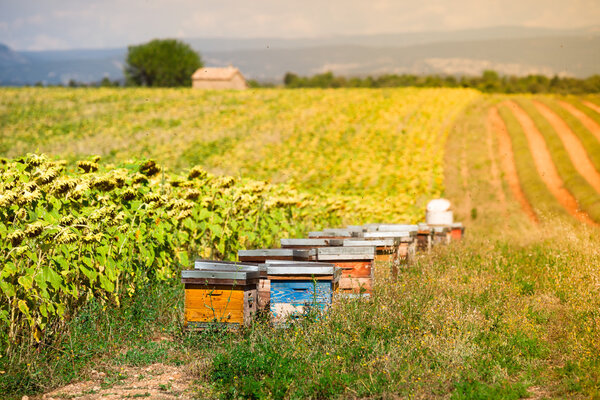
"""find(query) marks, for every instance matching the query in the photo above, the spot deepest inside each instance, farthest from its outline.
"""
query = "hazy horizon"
(69, 24)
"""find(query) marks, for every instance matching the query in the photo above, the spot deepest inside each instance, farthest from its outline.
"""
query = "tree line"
(489, 82)
(171, 62)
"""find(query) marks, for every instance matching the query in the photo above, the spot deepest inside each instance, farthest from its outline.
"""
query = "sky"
(77, 24)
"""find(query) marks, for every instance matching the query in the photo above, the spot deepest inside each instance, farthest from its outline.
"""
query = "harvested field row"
(508, 162)
(562, 163)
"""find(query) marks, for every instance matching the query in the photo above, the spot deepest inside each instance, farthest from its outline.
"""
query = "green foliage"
(161, 63)
(489, 82)
(70, 235)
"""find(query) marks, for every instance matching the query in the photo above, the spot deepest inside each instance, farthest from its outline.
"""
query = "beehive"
(356, 264)
(226, 294)
(441, 235)
(385, 249)
(457, 231)
(288, 254)
(332, 234)
(262, 286)
(424, 237)
(297, 286)
(397, 228)
(263, 255)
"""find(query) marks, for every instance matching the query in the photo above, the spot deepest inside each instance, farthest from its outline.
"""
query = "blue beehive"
(296, 287)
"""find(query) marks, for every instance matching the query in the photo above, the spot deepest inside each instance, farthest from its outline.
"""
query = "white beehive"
(439, 212)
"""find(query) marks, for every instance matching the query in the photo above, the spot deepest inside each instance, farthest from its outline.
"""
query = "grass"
(490, 318)
(511, 312)
(585, 194)
(478, 320)
(95, 338)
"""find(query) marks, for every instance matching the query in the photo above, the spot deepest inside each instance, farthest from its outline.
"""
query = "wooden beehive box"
(288, 254)
(311, 243)
(262, 286)
(356, 264)
(265, 255)
(331, 234)
(385, 248)
(226, 295)
(403, 247)
(457, 231)
(424, 237)
(441, 235)
(397, 228)
(297, 286)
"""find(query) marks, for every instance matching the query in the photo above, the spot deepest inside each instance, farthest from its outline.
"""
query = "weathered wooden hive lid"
(423, 227)
(222, 275)
(371, 227)
(441, 229)
(330, 233)
(367, 242)
(296, 253)
(303, 269)
(225, 265)
(312, 242)
(286, 262)
(457, 225)
(345, 253)
(390, 234)
(397, 228)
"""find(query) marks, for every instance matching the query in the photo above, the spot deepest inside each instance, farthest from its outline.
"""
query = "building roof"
(215, 74)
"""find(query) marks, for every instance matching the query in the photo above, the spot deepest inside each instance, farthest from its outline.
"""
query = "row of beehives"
(303, 272)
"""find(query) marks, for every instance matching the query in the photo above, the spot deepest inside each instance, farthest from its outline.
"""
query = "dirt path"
(507, 159)
(589, 123)
(591, 105)
(157, 381)
(494, 172)
(575, 149)
(545, 165)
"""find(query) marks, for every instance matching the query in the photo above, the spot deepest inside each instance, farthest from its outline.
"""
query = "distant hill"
(508, 50)
(567, 56)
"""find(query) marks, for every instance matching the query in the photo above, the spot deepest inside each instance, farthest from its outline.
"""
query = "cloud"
(45, 42)
(111, 23)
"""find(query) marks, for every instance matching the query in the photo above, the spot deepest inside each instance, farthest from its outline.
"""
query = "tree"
(161, 63)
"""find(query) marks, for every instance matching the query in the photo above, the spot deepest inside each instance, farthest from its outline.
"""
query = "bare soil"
(577, 153)
(545, 166)
(157, 381)
(507, 160)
